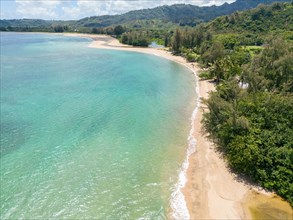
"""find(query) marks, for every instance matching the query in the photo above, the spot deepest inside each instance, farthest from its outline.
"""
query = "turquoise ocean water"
(90, 133)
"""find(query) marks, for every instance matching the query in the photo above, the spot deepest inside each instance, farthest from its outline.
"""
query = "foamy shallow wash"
(88, 133)
(178, 202)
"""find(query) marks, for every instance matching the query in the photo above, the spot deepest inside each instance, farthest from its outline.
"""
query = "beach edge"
(211, 190)
(203, 202)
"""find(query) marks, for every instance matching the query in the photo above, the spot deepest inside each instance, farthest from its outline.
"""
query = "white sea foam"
(178, 203)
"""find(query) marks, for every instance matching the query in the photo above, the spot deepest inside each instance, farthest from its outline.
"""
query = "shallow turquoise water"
(89, 133)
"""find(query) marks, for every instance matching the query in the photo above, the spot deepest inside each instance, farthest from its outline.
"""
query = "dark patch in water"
(12, 137)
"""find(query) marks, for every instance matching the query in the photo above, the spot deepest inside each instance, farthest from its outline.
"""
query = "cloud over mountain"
(75, 9)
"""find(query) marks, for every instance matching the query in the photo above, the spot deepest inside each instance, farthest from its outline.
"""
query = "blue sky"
(76, 9)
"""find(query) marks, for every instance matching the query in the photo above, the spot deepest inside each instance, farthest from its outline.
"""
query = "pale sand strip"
(212, 191)
(107, 42)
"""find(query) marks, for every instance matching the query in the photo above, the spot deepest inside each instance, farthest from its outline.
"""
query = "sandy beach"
(212, 190)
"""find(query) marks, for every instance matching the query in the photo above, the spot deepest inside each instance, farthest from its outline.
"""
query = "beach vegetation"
(177, 42)
(118, 30)
(253, 126)
(60, 28)
(135, 38)
(250, 57)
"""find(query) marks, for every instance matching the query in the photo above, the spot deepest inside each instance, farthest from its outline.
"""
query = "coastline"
(211, 190)
(201, 197)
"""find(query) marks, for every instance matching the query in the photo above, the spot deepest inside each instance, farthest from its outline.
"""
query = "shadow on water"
(12, 137)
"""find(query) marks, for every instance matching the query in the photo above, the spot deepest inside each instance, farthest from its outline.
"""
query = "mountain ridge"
(180, 14)
(176, 13)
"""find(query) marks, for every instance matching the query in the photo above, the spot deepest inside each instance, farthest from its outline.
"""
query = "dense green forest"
(232, 38)
(248, 28)
(253, 126)
(252, 26)
(250, 115)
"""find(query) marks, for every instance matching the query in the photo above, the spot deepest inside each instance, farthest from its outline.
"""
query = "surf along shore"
(212, 191)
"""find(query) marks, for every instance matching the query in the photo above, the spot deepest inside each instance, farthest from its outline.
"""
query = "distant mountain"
(24, 23)
(28, 24)
(180, 14)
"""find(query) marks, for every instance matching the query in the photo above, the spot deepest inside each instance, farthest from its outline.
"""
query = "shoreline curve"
(201, 202)
(211, 190)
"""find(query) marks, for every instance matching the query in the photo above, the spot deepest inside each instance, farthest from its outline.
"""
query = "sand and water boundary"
(211, 190)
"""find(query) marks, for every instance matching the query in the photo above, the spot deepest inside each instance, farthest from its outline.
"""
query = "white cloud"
(86, 8)
(76, 9)
(37, 8)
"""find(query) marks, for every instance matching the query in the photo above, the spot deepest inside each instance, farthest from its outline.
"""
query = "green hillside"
(179, 14)
(252, 26)
(247, 28)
